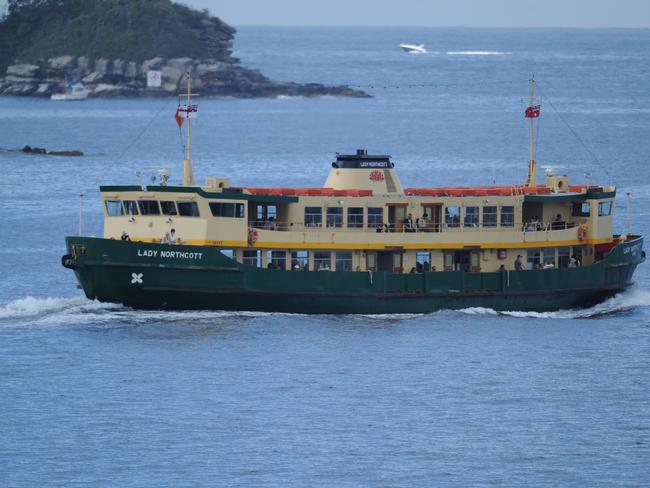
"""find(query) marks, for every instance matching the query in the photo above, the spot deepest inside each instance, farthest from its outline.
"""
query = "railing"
(532, 226)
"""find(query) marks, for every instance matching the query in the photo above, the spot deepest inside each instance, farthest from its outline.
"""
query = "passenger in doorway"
(423, 223)
(125, 236)
(574, 262)
(408, 224)
(271, 224)
(557, 223)
(518, 265)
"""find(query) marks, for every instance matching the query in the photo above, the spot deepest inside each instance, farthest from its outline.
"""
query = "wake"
(30, 311)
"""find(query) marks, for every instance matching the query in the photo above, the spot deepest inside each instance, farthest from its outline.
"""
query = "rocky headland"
(46, 44)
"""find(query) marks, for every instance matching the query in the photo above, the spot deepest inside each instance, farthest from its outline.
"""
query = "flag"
(188, 111)
(532, 112)
(179, 117)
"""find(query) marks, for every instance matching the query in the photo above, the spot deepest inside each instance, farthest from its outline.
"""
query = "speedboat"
(73, 91)
(413, 48)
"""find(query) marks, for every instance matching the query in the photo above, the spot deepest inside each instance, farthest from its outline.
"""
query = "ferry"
(361, 244)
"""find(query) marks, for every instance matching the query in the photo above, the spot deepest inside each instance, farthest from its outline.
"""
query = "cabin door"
(434, 214)
(385, 262)
(396, 216)
(463, 261)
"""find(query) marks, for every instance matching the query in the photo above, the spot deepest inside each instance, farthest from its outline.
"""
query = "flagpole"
(188, 176)
(532, 164)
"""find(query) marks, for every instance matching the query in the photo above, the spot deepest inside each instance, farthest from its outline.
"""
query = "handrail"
(526, 227)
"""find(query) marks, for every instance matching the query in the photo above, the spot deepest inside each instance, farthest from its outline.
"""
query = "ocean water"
(100, 395)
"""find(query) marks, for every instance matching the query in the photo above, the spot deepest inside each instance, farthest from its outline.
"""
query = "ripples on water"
(98, 394)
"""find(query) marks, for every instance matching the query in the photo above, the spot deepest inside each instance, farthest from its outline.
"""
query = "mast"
(531, 180)
(188, 176)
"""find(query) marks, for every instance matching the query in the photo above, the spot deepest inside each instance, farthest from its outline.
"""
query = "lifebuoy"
(252, 236)
(582, 233)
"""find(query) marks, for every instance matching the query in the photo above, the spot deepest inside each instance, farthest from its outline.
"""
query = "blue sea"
(96, 394)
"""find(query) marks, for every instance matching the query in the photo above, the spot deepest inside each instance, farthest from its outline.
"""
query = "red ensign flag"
(532, 112)
(179, 118)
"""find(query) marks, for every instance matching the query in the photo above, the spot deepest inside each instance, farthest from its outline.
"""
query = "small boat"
(359, 244)
(413, 48)
(74, 91)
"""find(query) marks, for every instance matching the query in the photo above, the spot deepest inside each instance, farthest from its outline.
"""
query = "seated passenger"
(125, 236)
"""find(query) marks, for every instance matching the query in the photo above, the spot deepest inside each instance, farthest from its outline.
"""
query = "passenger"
(125, 236)
(557, 223)
(271, 224)
(423, 223)
(408, 224)
(380, 228)
(172, 236)
(549, 265)
(502, 268)
(413, 271)
(419, 268)
(518, 265)
(165, 239)
(386, 228)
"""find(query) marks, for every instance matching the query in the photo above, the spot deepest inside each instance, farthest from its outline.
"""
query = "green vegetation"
(133, 30)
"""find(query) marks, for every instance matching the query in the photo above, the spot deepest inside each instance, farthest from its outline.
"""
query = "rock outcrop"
(112, 45)
(122, 78)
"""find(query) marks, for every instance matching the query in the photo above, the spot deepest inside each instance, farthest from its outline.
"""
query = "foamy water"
(79, 310)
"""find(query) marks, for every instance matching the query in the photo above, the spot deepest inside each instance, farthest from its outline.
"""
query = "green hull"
(156, 276)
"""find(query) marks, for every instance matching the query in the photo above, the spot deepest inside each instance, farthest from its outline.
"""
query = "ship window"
(375, 217)
(300, 260)
(507, 216)
(549, 256)
(604, 209)
(563, 257)
(344, 261)
(471, 217)
(114, 208)
(220, 209)
(334, 217)
(168, 208)
(276, 259)
(313, 216)
(149, 207)
(130, 207)
(355, 217)
(229, 253)
(422, 261)
(533, 258)
(490, 216)
(322, 260)
(252, 258)
(189, 209)
(452, 216)
(581, 209)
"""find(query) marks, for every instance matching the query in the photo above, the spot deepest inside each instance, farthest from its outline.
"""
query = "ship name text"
(153, 253)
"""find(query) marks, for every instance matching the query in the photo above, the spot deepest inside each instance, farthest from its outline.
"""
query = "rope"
(436, 85)
(575, 134)
(137, 138)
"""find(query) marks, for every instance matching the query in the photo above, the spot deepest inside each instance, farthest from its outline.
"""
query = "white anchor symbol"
(136, 278)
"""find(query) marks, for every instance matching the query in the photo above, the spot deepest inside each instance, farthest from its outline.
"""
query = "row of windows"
(116, 208)
(334, 216)
(471, 218)
(299, 260)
